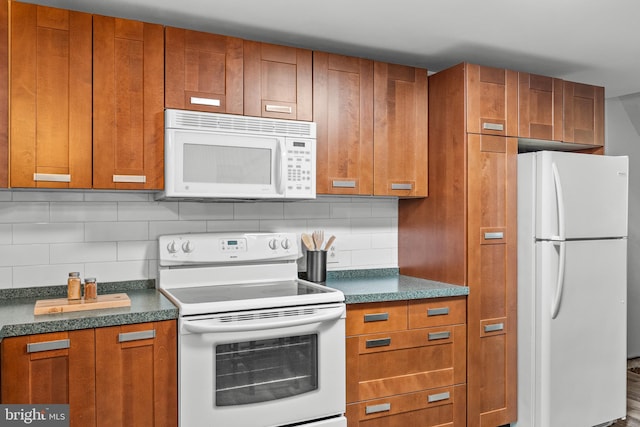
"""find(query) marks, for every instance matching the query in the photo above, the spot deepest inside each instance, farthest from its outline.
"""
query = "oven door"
(278, 366)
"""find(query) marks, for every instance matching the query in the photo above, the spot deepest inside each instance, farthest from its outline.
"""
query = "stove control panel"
(212, 248)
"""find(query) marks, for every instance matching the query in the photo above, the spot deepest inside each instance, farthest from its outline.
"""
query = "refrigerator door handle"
(555, 305)
(559, 202)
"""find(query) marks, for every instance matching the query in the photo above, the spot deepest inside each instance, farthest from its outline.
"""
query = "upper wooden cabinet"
(343, 112)
(492, 100)
(540, 100)
(203, 71)
(400, 130)
(50, 97)
(583, 114)
(128, 104)
(277, 81)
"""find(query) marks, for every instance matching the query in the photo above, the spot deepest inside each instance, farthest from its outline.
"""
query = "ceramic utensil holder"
(317, 266)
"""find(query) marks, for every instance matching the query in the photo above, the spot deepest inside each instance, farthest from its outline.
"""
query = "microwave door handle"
(281, 163)
(330, 314)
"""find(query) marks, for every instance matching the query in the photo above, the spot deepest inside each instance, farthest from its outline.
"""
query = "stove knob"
(187, 246)
(273, 244)
(171, 247)
(286, 244)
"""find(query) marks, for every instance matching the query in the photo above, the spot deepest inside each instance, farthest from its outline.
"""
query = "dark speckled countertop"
(17, 318)
(377, 285)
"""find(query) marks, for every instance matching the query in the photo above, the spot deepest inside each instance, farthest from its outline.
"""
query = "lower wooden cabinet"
(406, 363)
(113, 376)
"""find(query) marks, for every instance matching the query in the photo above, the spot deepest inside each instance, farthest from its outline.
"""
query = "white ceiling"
(590, 41)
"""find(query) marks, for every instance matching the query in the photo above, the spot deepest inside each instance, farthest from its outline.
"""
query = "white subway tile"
(117, 271)
(142, 250)
(284, 226)
(83, 211)
(236, 225)
(44, 275)
(6, 195)
(63, 253)
(150, 211)
(210, 211)
(116, 231)
(350, 210)
(159, 228)
(349, 242)
(47, 196)
(258, 210)
(344, 261)
(299, 210)
(372, 225)
(6, 278)
(384, 208)
(6, 234)
(117, 196)
(57, 232)
(333, 198)
(12, 255)
(376, 258)
(384, 240)
(330, 226)
(15, 212)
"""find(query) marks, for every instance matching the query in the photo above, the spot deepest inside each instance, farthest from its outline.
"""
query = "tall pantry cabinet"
(465, 231)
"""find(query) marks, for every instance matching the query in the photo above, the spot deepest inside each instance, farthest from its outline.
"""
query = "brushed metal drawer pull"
(382, 342)
(493, 126)
(377, 317)
(494, 235)
(440, 311)
(130, 178)
(438, 397)
(343, 184)
(52, 177)
(205, 101)
(135, 336)
(48, 345)
(383, 407)
(278, 109)
(494, 328)
(439, 335)
(397, 186)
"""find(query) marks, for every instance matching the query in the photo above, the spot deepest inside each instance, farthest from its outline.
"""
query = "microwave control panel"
(301, 171)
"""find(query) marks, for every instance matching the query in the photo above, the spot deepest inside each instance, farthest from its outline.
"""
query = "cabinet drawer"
(403, 362)
(437, 312)
(376, 317)
(440, 407)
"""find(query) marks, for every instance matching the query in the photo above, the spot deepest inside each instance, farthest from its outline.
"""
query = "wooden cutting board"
(62, 305)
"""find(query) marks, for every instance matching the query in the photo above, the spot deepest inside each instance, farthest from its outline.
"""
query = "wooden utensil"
(308, 242)
(318, 238)
(329, 243)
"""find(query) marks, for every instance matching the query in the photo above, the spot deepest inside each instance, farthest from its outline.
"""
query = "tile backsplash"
(113, 235)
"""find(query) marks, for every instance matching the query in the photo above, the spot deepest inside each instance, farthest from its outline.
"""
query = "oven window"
(264, 370)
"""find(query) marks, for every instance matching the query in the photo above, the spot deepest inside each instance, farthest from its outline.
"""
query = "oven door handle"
(326, 315)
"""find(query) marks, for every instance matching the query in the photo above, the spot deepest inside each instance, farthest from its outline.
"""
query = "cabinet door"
(50, 97)
(343, 112)
(51, 368)
(277, 81)
(492, 280)
(4, 94)
(583, 114)
(400, 130)
(203, 71)
(128, 104)
(136, 375)
(540, 107)
(492, 100)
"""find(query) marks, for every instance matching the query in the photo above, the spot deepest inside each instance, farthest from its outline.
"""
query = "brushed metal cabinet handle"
(493, 235)
(397, 186)
(383, 407)
(52, 177)
(439, 311)
(493, 328)
(135, 336)
(438, 397)
(278, 109)
(376, 317)
(205, 101)
(493, 126)
(382, 342)
(343, 184)
(439, 335)
(48, 345)
(130, 178)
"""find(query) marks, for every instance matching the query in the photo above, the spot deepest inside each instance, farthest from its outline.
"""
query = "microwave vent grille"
(240, 124)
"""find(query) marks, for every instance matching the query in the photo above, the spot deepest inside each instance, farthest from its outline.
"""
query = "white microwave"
(224, 156)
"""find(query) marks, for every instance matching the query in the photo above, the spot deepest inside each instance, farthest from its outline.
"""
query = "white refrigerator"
(572, 289)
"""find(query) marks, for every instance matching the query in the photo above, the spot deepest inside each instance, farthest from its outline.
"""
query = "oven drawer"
(442, 407)
(437, 312)
(386, 364)
(376, 317)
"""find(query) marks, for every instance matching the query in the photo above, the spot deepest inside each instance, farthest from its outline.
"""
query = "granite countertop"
(362, 286)
(17, 318)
